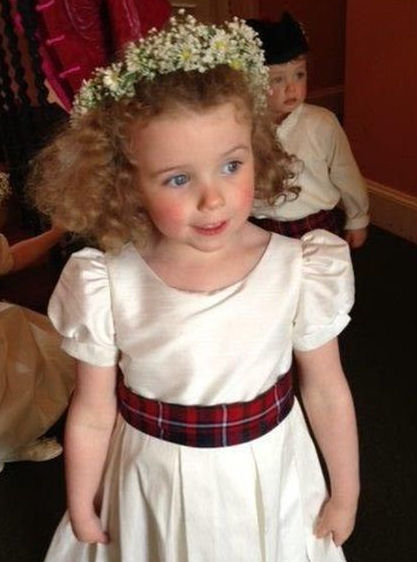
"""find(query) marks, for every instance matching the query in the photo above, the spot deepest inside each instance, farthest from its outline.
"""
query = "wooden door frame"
(221, 10)
(244, 8)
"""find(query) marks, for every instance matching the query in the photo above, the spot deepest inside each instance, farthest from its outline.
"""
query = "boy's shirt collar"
(291, 120)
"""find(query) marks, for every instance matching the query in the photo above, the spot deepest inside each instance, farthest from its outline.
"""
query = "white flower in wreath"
(187, 45)
(220, 43)
(111, 78)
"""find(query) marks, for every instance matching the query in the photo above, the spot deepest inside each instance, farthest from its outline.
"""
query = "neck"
(280, 118)
(194, 270)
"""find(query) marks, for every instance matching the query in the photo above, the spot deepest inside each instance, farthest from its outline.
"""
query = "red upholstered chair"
(76, 36)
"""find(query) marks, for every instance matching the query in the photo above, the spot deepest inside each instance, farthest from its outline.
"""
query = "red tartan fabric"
(326, 220)
(220, 425)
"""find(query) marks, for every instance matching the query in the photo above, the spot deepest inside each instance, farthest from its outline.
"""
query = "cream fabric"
(6, 258)
(165, 502)
(327, 172)
(36, 377)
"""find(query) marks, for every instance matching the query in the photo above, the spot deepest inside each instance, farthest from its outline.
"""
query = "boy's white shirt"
(327, 173)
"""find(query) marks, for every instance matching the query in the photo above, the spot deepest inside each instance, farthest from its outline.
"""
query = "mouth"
(211, 229)
(291, 101)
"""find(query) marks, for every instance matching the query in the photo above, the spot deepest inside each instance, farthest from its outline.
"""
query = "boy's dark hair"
(282, 41)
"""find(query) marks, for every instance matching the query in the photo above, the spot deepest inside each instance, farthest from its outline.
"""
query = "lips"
(211, 229)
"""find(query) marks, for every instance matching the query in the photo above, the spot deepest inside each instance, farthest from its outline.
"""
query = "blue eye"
(178, 180)
(231, 167)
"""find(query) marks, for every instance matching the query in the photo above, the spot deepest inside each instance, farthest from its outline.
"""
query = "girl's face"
(196, 175)
(288, 87)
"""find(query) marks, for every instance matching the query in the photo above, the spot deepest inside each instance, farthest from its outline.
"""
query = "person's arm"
(345, 175)
(329, 407)
(356, 237)
(27, 252)
(89, 425)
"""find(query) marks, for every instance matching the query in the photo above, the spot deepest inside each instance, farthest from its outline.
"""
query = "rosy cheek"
(246, 195)
(167, 213)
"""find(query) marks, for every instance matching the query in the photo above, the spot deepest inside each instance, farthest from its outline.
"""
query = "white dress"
(36, 376)
(163, 502)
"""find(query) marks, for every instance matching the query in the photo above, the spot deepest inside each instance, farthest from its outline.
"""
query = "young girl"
(184, 440)
(36, 376)
(330, 174)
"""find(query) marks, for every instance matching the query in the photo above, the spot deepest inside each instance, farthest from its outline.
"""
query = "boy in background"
(329, 173)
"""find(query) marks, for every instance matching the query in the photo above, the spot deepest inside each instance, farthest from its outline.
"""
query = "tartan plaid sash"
(326, 220)
(220, 425)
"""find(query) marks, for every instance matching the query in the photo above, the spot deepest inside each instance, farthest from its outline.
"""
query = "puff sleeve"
(80, 309)
(6, 258)
(326, 291)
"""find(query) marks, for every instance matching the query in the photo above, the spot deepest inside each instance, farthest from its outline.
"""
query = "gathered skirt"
(36, 377)
(252, 502)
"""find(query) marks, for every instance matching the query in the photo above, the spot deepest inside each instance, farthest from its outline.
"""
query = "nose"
(210, 198)
(290, 86)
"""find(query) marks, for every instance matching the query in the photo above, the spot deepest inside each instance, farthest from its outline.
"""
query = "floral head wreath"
(4, 186)
(185, 45)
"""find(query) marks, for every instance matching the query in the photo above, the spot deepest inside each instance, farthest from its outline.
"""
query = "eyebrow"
(179, 166)
(235, 148)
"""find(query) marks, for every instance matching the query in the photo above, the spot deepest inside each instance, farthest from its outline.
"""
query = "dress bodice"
(204, 348)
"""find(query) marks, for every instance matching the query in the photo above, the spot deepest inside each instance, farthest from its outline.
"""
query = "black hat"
(282, 41)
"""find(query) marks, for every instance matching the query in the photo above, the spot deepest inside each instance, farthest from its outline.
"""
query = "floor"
(378, 350)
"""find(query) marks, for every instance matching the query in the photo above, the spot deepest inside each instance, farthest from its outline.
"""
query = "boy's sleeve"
(345, 175)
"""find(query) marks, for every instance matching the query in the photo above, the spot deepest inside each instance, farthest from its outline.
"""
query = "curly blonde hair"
(86, 180)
